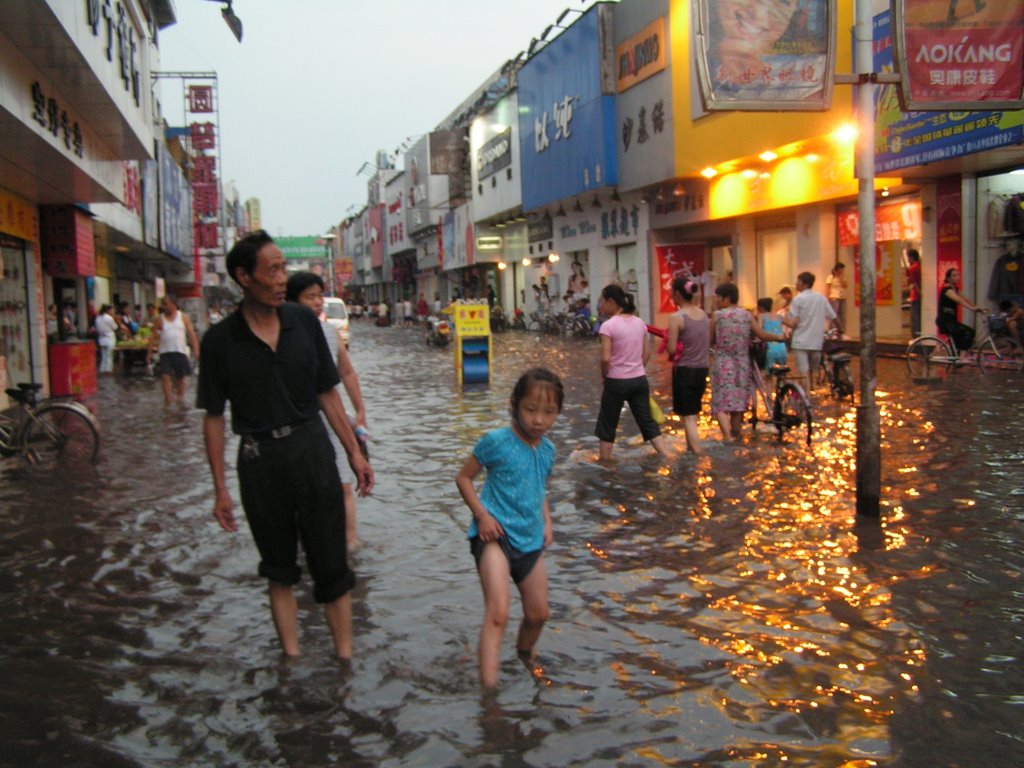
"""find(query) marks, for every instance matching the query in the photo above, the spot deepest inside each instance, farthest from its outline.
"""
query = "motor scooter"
(439, 331)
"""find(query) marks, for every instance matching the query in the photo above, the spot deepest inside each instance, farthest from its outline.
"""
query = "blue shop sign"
(176, 206)
(566, 122)
(905, 139)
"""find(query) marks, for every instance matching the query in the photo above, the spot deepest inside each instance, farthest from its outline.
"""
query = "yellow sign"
(472, 319)
(18, 218)
(641, 56)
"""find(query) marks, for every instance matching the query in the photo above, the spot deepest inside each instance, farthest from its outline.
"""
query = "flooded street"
(724, 610)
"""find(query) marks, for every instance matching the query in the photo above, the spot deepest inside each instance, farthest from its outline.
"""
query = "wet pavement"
(726, 610)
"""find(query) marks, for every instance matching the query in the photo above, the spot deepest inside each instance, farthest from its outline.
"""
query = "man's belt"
(279, 433)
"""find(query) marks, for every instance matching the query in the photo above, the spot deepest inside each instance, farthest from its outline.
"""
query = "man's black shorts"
(174, 364)
(291, 492)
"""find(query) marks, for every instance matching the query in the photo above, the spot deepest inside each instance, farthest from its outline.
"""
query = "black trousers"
(637, 393)
(291, 492)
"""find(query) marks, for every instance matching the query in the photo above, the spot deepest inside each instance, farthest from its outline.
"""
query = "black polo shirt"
(267, 389)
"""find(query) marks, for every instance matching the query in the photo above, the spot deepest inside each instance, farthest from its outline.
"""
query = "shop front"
(898, 232)
(600, 244)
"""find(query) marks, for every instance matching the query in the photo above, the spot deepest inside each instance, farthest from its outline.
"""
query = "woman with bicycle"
(691, 328)
(947, 321)
(732, 331)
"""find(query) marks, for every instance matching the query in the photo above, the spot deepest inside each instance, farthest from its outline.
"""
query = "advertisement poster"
(767, 55)
(895, 225)
(887, 256)
(904, 139)
(960, 55)
(677, 260)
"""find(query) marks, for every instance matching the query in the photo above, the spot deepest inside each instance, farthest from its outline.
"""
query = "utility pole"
(869, 460)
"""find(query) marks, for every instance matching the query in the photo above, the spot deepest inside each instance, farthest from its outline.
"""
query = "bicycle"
(576, 325)
(930, 357)
(546, 322)
(51, 430)
(835, 367)
(788, 405)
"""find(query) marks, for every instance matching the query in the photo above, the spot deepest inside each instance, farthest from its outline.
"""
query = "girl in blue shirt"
(511, 516)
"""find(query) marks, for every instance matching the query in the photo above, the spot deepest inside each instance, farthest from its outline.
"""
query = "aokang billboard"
(960, 55)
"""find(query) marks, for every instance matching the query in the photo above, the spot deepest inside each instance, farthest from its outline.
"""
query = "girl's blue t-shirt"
(515, 486)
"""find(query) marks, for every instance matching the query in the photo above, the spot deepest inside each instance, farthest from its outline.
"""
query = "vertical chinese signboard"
(205, 183)
(960, 55)
(677, 260)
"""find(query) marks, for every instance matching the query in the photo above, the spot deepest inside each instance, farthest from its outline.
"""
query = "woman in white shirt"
(106, 338)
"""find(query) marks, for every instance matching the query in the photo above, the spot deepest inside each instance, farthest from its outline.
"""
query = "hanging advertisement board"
(765, 55)
(960, 55)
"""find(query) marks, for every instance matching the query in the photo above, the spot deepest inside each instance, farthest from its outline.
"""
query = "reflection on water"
(726, 609)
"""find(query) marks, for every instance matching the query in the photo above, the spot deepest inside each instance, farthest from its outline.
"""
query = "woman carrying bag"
(624, 354)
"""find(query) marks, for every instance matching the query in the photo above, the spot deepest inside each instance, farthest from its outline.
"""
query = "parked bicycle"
(545, 322)
(52, 430)
(835, 367)
(787, 408)
(930, 357)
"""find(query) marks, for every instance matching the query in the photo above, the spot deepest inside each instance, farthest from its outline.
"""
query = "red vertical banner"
(677, 260)
(949, 240)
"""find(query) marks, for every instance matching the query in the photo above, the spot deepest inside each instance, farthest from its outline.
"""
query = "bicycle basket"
(997, 325)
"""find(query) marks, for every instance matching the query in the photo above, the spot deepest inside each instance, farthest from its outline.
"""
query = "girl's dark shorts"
(519, 563)
(688, 386)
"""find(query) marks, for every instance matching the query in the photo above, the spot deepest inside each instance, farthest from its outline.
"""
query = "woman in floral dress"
(732, 330)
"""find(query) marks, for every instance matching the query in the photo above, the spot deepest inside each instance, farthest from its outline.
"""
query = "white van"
(337, 316)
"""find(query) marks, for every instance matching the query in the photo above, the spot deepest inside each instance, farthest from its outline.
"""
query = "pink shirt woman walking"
(624, 354)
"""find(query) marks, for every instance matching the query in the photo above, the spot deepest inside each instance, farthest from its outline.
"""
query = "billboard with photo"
(765, 55)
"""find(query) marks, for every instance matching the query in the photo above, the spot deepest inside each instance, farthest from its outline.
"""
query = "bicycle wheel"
(792, 410)
(822, 379)
(1000, 354)
(60, 432)
(844, 382)
(928, 357)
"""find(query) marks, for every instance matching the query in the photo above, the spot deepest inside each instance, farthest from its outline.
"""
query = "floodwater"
(726, 610)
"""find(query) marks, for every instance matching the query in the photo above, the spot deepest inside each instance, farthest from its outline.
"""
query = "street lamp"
(327, 238)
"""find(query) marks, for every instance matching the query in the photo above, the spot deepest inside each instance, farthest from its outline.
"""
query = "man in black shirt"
(270, 360)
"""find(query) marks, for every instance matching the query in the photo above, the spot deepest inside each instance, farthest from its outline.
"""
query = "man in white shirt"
(808, 314)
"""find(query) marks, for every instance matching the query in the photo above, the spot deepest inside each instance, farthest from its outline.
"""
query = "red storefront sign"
(897, 221)
(376, 220)
(677, 260)
(949, 243)
(66, 237)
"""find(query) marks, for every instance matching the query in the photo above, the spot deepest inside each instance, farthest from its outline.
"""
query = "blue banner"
(905, 139)
(566, 123)
(175, 208)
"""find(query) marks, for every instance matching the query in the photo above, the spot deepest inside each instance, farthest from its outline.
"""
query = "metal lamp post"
(327, 238)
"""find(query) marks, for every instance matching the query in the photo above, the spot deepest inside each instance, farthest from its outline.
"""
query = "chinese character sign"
(960, 55)
(200, 98)
(677, 260)
(766, 55)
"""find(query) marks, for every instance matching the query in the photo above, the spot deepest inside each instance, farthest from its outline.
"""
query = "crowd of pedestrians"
(283, 368)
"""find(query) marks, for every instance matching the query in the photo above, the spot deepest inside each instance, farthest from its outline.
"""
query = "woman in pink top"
(624, 354)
